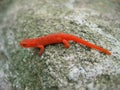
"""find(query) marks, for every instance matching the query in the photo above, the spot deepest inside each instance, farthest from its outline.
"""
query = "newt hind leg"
(66, 43)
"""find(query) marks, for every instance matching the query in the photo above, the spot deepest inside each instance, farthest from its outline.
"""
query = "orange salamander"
(41, 42)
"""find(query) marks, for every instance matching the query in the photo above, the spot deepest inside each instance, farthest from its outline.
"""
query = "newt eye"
(23, 45)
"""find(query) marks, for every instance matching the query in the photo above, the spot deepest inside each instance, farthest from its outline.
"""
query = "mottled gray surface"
(75, 68)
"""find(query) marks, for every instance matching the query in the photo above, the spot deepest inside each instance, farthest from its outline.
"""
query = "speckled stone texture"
(75, 68)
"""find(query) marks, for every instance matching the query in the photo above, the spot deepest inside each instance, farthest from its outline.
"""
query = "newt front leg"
(41, 49)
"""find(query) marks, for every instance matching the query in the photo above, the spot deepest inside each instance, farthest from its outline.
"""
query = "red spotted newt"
(42, 41)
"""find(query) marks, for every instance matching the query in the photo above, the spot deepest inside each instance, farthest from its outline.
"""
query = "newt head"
(26, 43)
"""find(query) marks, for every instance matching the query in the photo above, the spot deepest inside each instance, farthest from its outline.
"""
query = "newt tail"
(40, 42)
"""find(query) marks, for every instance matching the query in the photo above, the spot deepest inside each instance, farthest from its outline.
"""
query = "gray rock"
(75, 68)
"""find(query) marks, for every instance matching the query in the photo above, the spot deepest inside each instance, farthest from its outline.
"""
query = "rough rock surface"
(75, 68)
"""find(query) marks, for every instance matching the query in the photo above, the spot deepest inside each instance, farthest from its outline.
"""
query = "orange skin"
(41, 42)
